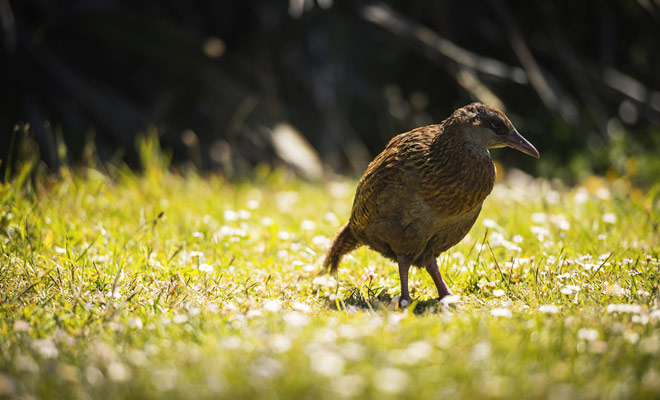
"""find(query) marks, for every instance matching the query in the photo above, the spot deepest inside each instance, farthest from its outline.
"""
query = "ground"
(175, 285)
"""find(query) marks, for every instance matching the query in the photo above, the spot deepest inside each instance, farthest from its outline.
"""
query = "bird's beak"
(516, 141)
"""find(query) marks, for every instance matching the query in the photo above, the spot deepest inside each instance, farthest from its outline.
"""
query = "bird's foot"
(404, 302)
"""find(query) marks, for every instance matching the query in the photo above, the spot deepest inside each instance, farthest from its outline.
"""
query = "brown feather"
(343, 243)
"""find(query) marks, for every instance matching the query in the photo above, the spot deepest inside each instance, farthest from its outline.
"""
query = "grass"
(172, 285)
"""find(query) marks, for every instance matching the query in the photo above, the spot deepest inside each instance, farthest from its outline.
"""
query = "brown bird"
(422, 194)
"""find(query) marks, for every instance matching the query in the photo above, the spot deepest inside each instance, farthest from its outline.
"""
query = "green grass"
(172, 285)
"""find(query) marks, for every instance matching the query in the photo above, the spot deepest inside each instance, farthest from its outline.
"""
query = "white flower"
(353, 351)
(116, 294)
(302, 307)
(267, 367)
(552, 197)
(631, 336)
(350, 332)
(609, 218)
(480, 351)
(137, 357)
(650, 345)
(560, 221)
(22, 326)
(296, 319)
(325, 280)
(603, 194)
(451, 299)
(230, 215)
(539, 217)
(624, 308)
(416, 352)
(581, 196)
(272, 305)
(232, 342)
(179, 318)
(588, 334)
(165, 379)
(226, 230)
(267, 221)
(569, 290)
(253, 204)
(327, 363)
(308, 225)
(616, 290)
(549, 309)
(205, 267)
(93, 375)
(45, 347)
(280, 343)
(321, 241)
(332, 218)
(497, 240)
(348, 385)
(489, 223)
(391, 380)
(118, 372)
(498, 292)
(501, 312)
(598, 346)
(286, 200)
(135, 323)
(338, 190)
(540, 232)
(395, 318)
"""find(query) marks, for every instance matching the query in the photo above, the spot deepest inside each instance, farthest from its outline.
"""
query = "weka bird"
(422, 194)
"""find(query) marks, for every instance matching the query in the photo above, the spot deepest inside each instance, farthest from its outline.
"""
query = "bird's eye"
(497, 126)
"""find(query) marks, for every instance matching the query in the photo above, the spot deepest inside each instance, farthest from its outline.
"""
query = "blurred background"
(321, 85)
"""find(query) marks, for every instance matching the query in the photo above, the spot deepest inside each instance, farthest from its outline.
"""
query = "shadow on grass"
(377, 299)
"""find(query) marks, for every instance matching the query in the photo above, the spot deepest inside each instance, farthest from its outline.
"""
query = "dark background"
(214, 80)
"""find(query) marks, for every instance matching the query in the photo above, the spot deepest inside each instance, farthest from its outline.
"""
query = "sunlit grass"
(172, 285)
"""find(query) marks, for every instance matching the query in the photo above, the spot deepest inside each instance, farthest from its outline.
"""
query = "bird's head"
(488, 127)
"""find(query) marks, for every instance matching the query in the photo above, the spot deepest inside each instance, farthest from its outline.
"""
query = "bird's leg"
(404, 267)
(440, 284)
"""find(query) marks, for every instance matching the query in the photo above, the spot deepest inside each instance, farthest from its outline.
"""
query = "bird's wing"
(392, 175)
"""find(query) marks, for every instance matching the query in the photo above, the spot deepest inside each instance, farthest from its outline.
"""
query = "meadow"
(172, 284)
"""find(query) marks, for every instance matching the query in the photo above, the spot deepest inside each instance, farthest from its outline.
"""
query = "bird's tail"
(343, 243)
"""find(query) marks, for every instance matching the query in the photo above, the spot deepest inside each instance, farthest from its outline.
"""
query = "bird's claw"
(404, 302)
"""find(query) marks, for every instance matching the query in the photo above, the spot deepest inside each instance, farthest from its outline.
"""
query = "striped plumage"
(422, 194)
